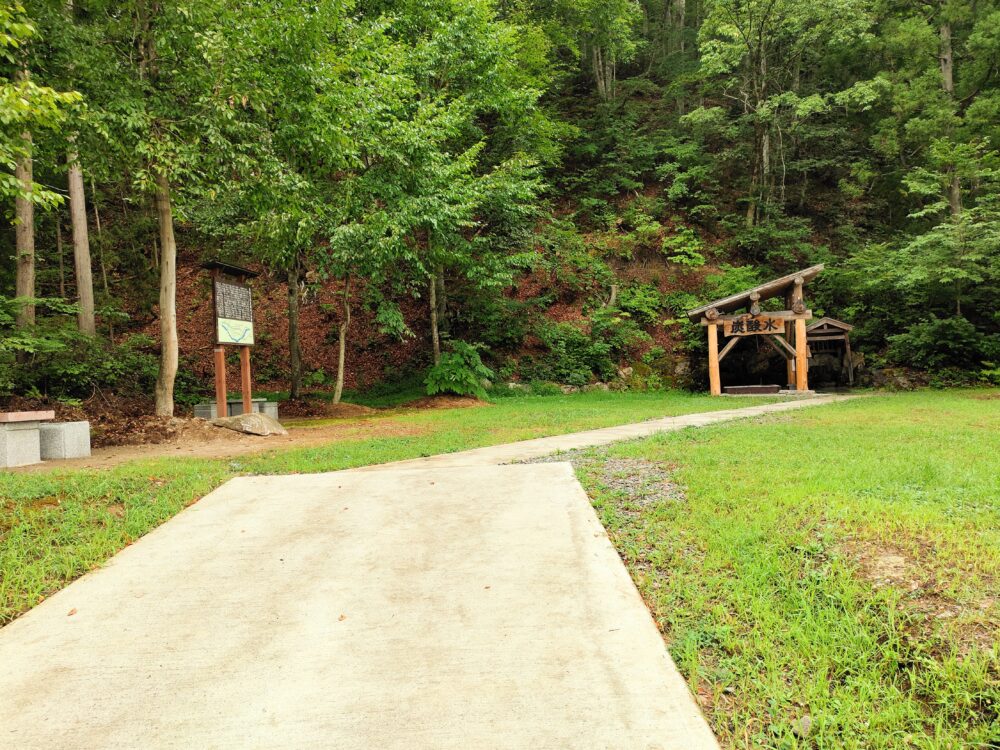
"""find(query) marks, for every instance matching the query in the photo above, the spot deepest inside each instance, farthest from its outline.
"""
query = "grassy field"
(56, 526)
(827, 578)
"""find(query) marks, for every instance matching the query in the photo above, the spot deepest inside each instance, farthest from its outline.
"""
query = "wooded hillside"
(530, 190)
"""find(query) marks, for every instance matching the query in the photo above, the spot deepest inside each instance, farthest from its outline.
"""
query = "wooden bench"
(20, 442)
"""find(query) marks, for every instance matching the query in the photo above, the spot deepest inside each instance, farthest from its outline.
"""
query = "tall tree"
(25, 106)
(81, 246)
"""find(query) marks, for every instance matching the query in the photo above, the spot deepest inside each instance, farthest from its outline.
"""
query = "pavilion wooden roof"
(832, 322)
(773, 288)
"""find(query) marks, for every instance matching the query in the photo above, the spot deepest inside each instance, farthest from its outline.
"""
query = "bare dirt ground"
(147, 437)
(197, 438)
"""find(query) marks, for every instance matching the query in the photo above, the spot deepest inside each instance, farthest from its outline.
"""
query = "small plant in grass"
(461, 371)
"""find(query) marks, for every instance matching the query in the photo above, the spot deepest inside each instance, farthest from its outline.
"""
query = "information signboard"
(233, 313)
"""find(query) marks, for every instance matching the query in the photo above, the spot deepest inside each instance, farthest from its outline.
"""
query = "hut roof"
(774, 288)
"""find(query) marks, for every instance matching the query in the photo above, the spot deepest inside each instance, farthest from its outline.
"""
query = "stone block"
(19, 444)
(65, 440)
(205, 410)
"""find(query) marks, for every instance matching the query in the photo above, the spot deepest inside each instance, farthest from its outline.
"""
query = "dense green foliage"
(630, 157)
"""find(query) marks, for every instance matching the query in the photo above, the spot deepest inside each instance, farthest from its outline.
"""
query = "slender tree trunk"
(294, 344)
(679, 12)
(345, 324)
(24, 212)
(81, 246)
(59, 252)
(948, 84)
(435, 337)
(168, 300)
(100, 239)
(442, 300)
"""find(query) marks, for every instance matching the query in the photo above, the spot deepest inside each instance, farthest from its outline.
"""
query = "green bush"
(53, 359)
(643, 302)
(572, 356)
(940, 343)
(461, 371)
(684, 248)
(576, 356)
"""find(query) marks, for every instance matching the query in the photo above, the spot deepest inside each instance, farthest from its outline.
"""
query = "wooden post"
(850, 359)
(790, 338)
(245, 378)
(221, 407)
(714, 382)
(801, 361)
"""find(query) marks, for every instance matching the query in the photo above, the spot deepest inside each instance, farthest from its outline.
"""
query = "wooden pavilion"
(741, 315)
(833, 337)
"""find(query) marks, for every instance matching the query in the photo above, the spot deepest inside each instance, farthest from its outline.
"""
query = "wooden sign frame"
(240, 316)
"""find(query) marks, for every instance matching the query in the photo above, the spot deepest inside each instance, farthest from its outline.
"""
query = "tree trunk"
(442, 300)
(294, 344)
(435, 336)
(81, 247)
(604, 73)
(345, 324)
(59, 252)
(168, 300)
(679, 12)
(100, 239)
(948, 84)
(24, 212)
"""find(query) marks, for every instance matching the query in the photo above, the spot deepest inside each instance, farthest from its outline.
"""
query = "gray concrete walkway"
(528, 449)
(451, 604)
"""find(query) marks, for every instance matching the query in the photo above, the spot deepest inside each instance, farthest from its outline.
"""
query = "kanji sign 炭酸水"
(752, 325)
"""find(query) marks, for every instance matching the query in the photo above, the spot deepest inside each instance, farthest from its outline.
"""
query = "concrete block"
(65, 440)
(205, 411)
(19, 444)
(235, 408)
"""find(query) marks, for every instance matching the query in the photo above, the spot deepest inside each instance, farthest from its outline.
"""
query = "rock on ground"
(252, 424)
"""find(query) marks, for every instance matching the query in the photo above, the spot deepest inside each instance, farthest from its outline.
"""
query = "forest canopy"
(527, 189)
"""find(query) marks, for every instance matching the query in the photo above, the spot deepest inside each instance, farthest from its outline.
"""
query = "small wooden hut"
(741, 315)
(833, 337)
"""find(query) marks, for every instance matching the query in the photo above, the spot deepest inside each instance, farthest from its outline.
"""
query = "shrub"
(461, 371)
(52, 358)
(939, 343)
(572, 357)
(684, 248)
(576, 356)
(643, 302)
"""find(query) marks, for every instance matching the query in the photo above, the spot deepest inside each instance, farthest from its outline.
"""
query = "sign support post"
(221, 395)
(233, 304)
(245, 379)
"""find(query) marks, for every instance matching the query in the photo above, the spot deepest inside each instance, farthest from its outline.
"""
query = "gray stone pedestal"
(207, 410)
(19, 444)
(65, 440)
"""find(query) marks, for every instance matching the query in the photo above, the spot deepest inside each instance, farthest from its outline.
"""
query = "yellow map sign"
(229, 331)
(753, 325)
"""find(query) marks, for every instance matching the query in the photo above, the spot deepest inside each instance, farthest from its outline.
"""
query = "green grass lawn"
(56, 526)
(840, 563)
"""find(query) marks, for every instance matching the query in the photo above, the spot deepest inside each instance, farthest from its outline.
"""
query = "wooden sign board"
(233, 313)
(753, 325)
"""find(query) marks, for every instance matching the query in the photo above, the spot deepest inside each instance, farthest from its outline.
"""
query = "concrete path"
(450, 604)
(462, 608)
(528, 449)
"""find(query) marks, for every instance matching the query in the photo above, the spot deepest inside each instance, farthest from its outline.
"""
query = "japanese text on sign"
(753, 325)
(232, 301)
